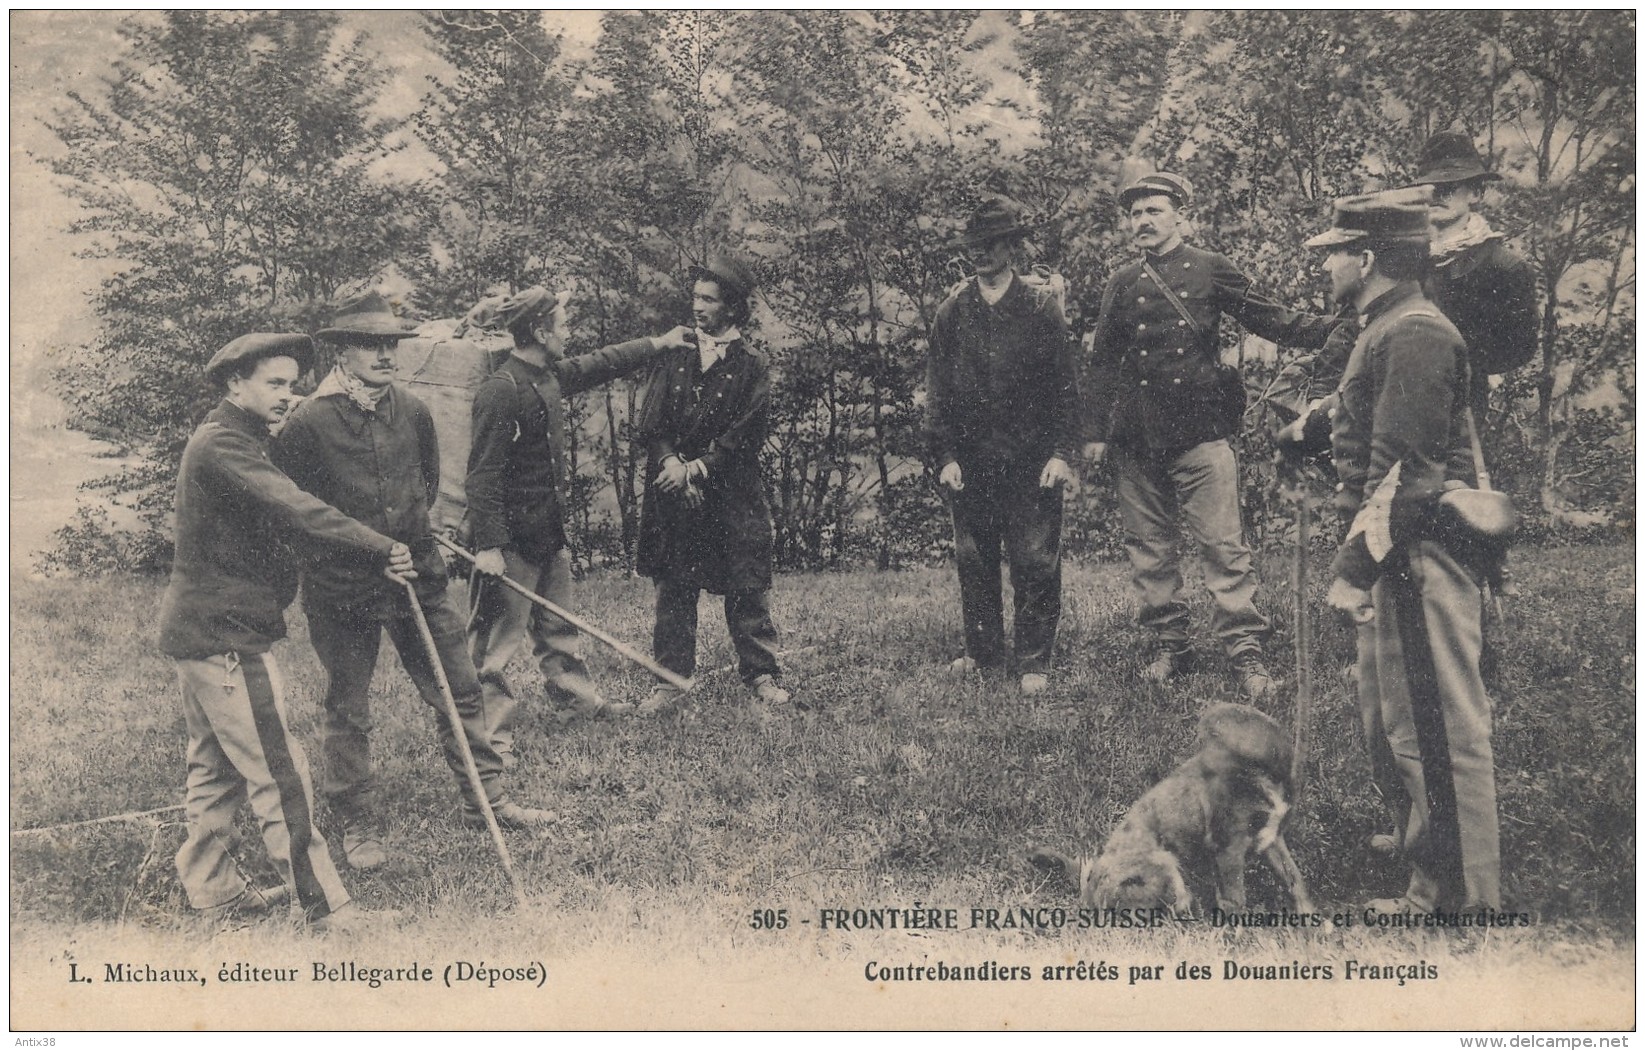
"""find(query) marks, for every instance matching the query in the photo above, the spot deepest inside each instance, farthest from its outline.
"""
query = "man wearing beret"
(1400, 437)
(516, 471)
(1002, 422)
(367, 446)
(705, 524)
(232, 577)
(1167, 407)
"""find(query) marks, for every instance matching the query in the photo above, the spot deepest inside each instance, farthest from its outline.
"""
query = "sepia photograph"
(831, 520)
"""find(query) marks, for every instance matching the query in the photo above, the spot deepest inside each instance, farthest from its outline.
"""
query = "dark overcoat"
(720, 417)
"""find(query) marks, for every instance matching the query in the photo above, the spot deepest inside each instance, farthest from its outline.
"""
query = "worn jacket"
(1397, 428)
(720, 417)
(1000, 380)
(239, 520)
(1154, 381)
(1489, 293)
(517, 462)
(382, 468)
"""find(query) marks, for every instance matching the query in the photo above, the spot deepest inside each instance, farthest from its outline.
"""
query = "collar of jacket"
(238, 418)
(532, 373)
(356, 418)
(1156, 260)
(1388, 301)
(1015, 297)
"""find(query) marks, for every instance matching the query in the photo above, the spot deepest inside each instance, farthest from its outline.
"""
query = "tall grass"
(897, 783)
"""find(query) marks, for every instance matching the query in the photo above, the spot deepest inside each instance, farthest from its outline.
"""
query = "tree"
(226, 175)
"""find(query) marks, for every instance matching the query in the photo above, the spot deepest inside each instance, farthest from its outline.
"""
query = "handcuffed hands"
(1057, 473)
(673, 475)
(1356, 602)
(1094, 452)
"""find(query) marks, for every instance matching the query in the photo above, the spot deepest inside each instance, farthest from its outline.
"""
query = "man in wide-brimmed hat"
(367, 446)
(515, 491)
(1162, 400)
(705, 524)
(231, 579)
(1002, 423)
(1400, 440)
(1485, 288)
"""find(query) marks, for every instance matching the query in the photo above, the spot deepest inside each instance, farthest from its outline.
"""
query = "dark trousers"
(747, 615)
(1008, 510)
(347, 642)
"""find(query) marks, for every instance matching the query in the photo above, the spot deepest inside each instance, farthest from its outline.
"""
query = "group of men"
(337, 488)
(1408, 269)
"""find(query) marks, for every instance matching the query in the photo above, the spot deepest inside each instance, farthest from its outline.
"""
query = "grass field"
(898, 785)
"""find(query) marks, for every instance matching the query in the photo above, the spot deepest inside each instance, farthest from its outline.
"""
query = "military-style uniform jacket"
(1154, 382)
(238, 521)
(1489, 293)
(381, 468)
(720, 417)
(1397, 432)
(516, 466)
(1001, 383)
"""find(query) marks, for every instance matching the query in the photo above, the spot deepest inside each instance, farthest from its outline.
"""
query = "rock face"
(443, 368)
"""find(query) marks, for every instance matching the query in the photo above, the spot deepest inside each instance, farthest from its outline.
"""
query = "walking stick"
(462, 739)
(1305, 686)
(622, 648)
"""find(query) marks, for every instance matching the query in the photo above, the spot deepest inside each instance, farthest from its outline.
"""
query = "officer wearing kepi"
(1161, 400)
(1420, 540)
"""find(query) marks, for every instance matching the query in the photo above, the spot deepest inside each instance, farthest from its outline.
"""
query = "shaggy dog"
(1230, 798)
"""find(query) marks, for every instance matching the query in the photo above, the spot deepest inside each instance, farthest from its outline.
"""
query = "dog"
(1231, 797)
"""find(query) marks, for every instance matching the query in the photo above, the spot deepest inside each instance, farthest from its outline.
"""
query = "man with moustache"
(232, 577)
(515, 487)
(1167, 408)
(367, 446)
(1002, 421)
(1408, 572)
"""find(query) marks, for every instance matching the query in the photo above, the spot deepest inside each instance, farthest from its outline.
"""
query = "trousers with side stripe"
(240, 750)
(1427, 721)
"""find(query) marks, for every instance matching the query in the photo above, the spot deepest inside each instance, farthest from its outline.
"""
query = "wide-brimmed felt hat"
(254, 346)
(992, 220)
(1449, 157)
(1170, 184)
(1381, 218)
(366, 316)
(735, 278)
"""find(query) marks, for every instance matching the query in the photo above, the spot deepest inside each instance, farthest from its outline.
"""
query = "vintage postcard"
(969, 361)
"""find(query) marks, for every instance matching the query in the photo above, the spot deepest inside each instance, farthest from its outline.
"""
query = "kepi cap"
(1386, 217)
(367, 315)
(254, 346)
(1448, 157)
(1171, 185)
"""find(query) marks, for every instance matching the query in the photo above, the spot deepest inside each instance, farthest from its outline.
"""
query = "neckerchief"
(360, 393)
(711, 349)
(1470, 233)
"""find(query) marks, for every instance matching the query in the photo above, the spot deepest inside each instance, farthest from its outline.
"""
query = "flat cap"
(366, 315)
(726, 270)
(1385, 217)
(254, 346)
(1171, 185)
(528, 304)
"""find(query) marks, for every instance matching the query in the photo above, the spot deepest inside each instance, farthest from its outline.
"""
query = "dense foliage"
(232, 169)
